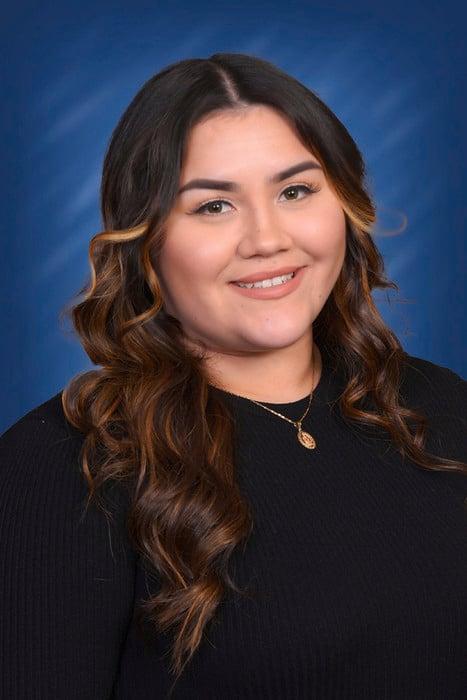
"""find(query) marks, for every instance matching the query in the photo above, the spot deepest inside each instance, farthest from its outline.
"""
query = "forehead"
(252, 119)
(254, 136)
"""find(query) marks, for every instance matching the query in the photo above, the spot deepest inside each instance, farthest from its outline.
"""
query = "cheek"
(187, 262)
(323, 233)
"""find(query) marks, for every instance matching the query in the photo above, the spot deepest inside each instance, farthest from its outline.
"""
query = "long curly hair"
(147, 413)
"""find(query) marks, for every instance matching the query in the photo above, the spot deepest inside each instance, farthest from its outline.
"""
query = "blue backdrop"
(394, 75)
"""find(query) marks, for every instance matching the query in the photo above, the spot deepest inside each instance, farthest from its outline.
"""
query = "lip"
(268, 274)
(279, 290)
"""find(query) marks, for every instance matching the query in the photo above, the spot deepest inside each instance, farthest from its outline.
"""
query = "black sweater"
(358, 561)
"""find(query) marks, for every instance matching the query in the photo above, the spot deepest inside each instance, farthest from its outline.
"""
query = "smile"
(274, 288)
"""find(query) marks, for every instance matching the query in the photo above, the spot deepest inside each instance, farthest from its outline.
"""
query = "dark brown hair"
(147, 412)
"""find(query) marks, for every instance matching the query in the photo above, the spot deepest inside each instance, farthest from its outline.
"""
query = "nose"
(263, 234)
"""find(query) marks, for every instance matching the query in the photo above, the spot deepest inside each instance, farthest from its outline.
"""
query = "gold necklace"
(303, 437)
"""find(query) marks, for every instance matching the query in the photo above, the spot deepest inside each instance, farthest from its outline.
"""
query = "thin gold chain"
(297, 423)
(303, 437)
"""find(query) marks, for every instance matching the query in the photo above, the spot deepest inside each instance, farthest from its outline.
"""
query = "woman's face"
(259, 226)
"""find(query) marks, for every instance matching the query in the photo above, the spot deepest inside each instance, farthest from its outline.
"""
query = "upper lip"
(268, 274)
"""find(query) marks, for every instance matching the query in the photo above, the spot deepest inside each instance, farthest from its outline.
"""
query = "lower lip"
(279, 290)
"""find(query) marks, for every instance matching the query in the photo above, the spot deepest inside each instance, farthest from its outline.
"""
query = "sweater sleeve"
(67, 583)
(441, 395)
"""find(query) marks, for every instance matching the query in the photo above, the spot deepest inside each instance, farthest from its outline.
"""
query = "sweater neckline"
(292, 409)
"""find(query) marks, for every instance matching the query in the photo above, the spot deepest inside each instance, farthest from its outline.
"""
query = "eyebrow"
(205, 184)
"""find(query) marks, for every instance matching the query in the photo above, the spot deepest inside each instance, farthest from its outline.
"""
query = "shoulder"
(421, 367)
(43, 427)
(44, 423)
(41, 444)
(40, 463)
(433, 386)
(440, 394)
(44, 494)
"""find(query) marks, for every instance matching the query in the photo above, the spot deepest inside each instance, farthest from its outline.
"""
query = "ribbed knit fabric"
(357, 564)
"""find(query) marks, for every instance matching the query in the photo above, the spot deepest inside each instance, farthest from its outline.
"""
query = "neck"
(271, 378)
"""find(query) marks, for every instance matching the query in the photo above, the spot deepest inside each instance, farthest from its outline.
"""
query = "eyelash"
(312, 189)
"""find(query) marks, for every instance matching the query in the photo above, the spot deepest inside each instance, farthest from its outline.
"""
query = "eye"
(310, 189)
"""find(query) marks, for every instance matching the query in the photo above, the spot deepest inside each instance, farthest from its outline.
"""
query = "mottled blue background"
(394, 74)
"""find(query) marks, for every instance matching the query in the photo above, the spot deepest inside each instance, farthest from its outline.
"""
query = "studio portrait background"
(393, 74)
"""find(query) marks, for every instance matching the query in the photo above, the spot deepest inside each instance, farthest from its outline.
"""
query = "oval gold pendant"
(306, 440)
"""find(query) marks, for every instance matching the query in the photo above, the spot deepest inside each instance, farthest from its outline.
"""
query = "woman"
(274, 489)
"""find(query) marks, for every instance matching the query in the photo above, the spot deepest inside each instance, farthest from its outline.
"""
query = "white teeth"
(272, 282)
